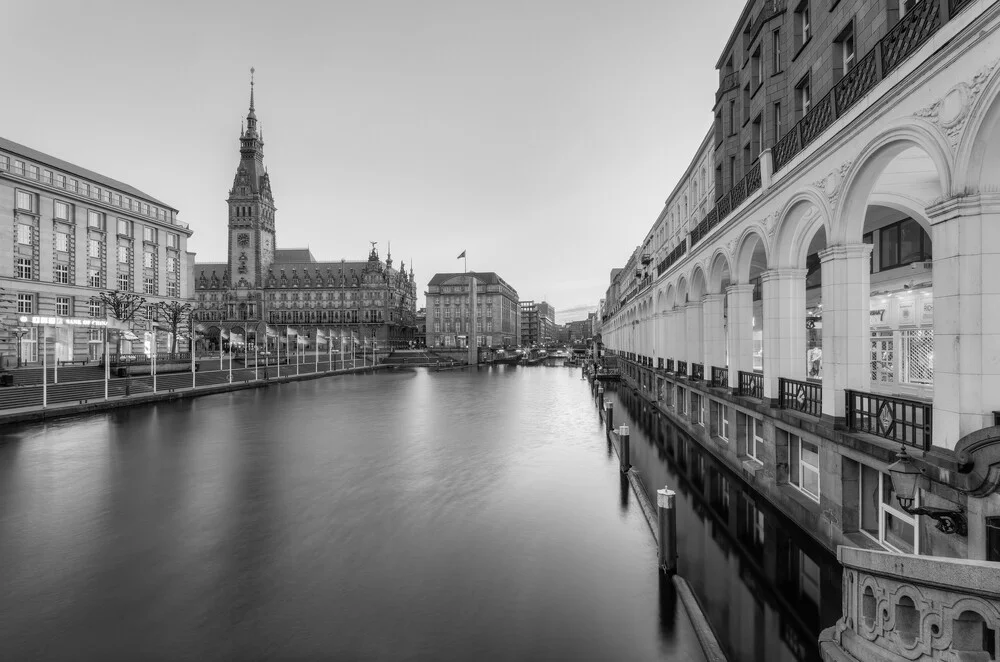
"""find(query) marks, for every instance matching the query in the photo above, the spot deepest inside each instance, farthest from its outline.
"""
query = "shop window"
(804, 466)
(903, 243)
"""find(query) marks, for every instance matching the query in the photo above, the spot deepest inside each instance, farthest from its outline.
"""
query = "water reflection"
(406, 516)
(767, 587)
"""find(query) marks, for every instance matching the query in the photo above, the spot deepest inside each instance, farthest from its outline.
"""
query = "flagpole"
(154, 360)
(316, 350)
(297, 352)
(329, 349)
(230, 356)
(107, 362)
(278, 343)
(255, 355)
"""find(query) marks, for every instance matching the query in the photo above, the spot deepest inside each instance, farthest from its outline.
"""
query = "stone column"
(714, 332)
(740, 333)
(693, 316)
(966, 240)
(680, 333)
(846, 337)
(784, 327)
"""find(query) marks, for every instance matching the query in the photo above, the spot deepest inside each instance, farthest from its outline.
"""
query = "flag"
(224, 334)
(461, 256)
(291, 331)
(270, 331)
(320, 335)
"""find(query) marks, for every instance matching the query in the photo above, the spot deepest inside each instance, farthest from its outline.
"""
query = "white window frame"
(148, 259)
(23, 268)
(148, 285)
(124, 283)
(723, 422)
(122, 254)
(63, 306)
(24, 233)
(56, 205)
(25, 304)
(94, 248)
(62, 274)
(804, 467)
(96, 309)
(24, 201)
(124, 227)
(93, 278)
(95, 219)
(62, 242)
(29, 345)
(848, 50)
(885, 509)
(755, 438)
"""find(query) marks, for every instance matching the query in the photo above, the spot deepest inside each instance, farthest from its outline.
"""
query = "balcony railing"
(916, 27)
(659, 363)
(806, 397)
(670, 365)
(698, 371)
(751, 385)
(682, 368)
(904, 421)
(671, 257)
(720, 376)
(727, 203)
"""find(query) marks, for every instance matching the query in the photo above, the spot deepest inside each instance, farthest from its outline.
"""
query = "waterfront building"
(421, 337)
(67, 234)
(261, 285)
(450, 315)
(538, 323)
(831, 302)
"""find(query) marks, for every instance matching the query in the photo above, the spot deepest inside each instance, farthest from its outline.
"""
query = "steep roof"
(41, 157)
(488, 277)
(293, 255)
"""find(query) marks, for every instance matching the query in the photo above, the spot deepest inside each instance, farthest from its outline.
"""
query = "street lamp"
(907, 479)
(20, 332)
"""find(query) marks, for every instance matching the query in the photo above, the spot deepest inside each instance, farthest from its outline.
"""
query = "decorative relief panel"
(950, 113)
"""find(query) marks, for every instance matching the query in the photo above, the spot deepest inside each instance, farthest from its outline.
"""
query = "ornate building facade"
(262, 285)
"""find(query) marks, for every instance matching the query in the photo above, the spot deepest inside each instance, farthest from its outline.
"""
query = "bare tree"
(173, 314)
(122, 306)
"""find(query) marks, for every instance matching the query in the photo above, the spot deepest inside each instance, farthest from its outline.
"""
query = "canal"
(767, 587)
(397, 516)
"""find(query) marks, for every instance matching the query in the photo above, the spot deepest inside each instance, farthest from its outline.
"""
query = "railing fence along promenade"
(84, 384)
(806, 397)
(919, 23)
(720, 376)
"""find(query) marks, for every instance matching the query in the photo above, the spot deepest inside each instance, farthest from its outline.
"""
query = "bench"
(77, 362)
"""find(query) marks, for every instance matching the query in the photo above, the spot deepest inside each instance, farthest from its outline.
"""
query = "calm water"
(767, 587)
(404, 516)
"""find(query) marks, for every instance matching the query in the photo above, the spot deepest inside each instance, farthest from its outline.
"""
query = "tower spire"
(251, 89)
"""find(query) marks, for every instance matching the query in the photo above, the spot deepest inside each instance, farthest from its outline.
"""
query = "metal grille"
(882, 362)
(917, 353)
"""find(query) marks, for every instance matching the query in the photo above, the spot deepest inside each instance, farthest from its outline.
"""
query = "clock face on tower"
(243, 239)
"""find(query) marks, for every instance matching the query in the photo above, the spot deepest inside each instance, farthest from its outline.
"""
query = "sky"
(540, 136)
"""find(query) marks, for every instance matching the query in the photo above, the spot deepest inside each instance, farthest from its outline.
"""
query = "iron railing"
(659, 363)
(670, 365)
(671, 257)
(698, 371)
(143, 359)
(912, 31)
(751, 384)
(682, 368)
(720, 376)
(904, 421)
(727, 203)
(806, 397)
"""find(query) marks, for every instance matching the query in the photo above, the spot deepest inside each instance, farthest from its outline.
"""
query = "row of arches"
(797, 289)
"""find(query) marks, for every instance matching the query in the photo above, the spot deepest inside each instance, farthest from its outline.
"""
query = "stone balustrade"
(905, 607)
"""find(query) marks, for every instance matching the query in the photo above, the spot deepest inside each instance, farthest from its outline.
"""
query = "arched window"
(685, 206)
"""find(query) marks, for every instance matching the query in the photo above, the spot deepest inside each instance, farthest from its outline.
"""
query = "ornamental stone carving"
(950, 113)
(831, 184)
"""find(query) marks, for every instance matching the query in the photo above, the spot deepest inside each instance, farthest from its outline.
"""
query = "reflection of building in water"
(767, 586)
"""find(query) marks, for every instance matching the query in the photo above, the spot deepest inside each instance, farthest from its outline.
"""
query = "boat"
(534, 357)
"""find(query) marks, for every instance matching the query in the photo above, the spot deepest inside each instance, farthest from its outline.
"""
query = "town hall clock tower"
(251, 211)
